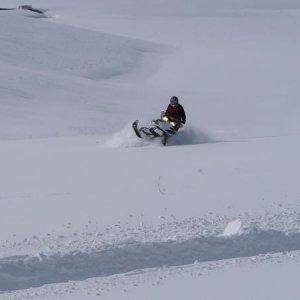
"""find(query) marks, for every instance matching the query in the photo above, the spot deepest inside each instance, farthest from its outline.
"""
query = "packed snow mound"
(42, 45)
(232, 228)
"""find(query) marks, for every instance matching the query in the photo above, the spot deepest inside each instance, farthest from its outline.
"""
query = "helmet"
(174, 100)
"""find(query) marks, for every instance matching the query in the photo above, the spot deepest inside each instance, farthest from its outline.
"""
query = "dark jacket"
(176, 114)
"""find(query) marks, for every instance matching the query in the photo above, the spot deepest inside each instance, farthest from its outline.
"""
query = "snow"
(21, 272)
(233, 228)
(89, 210)
(53, 72)
(238, 278)
(67, 50)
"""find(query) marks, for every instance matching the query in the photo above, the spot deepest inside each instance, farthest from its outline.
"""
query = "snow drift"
(39, 45)
(53, 84)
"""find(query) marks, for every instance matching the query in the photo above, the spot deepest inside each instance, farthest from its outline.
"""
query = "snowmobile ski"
(135, 128)
(165, 139)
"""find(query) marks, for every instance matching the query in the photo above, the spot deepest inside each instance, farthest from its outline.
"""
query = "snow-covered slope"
(51, 82)
(84, 201)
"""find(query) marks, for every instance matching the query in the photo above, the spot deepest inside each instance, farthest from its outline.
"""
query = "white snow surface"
(88, 210)
(232, 228)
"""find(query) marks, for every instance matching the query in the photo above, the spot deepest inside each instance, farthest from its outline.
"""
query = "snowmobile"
(162, 128)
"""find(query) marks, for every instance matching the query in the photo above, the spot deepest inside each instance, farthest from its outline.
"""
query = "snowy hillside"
(45, 88)
(88, 210)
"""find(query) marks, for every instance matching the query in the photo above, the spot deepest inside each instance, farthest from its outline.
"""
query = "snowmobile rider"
(175, 113)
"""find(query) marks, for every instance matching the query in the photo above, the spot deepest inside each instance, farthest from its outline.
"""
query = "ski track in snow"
(26, 272)
(181, 243)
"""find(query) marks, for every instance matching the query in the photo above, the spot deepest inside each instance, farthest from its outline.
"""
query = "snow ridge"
(20, 272)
